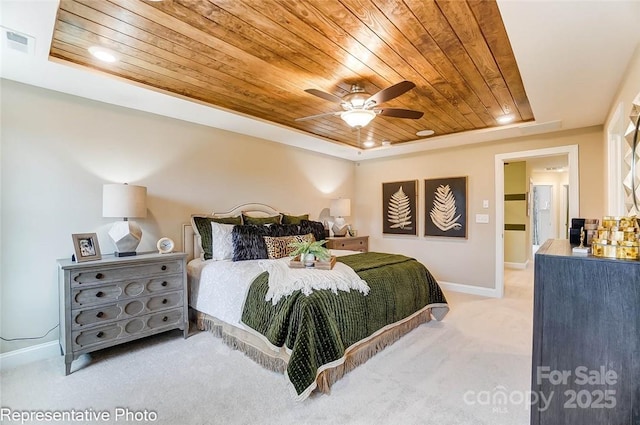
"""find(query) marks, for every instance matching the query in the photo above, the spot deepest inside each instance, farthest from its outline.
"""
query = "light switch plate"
(485, 203)
(482, 218)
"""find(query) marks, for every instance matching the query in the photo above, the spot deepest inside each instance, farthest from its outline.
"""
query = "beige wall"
(616, 126)
(470, 261)
(58, 151)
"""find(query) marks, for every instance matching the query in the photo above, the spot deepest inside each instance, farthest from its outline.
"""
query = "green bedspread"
(319, 328)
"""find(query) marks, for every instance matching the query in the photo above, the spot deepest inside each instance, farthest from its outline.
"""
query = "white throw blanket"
(283, 280)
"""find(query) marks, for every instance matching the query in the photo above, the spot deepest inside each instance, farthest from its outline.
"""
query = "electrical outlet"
(482, 218)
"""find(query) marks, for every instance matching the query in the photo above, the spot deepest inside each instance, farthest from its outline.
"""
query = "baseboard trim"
(470, 289)
(519, 266)
(31, 354)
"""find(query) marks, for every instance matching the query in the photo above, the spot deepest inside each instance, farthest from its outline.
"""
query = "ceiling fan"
(360, 107)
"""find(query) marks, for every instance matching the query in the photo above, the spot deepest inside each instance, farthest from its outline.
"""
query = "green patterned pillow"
(202, 227)
(294, 219)
(261, 221)
(279, 247)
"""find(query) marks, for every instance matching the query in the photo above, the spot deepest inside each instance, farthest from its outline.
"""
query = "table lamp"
(125, 201)
(339, 209)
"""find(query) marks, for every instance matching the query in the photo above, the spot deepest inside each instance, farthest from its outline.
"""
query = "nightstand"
(355, 243)
(119, 299)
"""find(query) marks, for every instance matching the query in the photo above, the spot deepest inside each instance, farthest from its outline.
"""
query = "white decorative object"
(339, 209)
(126, 201)
(165, 245)
(399, 210)
(443, 213)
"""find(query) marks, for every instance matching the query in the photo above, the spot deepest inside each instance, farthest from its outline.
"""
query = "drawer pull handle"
(99, 276)
(164, 283)
(99, 294)
(165, 301)
(100, 314)
(100, 334)
(164, 268)
(165, 318)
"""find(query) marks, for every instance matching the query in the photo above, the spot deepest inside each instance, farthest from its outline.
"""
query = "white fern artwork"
(399, 212)
(443, 213)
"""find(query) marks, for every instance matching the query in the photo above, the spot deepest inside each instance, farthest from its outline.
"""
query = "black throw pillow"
(248, 242)
(314, 227)
(278, 230)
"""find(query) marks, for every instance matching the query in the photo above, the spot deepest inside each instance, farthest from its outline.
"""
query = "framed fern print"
(446, 207)
(399, 208)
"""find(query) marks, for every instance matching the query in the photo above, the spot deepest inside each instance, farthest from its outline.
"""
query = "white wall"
(616, 125)
(57, 152)
(471, 261)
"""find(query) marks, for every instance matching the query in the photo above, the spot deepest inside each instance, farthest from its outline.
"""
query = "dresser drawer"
(109, 293)
(102, 274)
(125, 309)
(126, 329)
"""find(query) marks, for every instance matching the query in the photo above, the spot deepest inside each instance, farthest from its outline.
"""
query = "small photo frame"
(86, 247)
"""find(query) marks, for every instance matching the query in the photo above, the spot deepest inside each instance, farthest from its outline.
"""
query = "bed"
(311, 334)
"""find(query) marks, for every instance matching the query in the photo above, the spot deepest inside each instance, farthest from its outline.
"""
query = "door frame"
(574, 196)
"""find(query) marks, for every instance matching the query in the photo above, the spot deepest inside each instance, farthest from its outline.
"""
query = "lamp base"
(125, 254)
(126, 236)
(339, 227)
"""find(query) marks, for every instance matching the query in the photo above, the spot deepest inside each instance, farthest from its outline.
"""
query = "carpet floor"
(457, 371)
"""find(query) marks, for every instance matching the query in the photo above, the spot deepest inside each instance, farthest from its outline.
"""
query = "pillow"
(221, 241)
(248, 242)
(284, 230)
(278, 247)
(202, 227)
(294, 219)
(258, 221)
(315, 227)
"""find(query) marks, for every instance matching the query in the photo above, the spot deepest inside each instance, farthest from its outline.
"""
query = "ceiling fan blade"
(324, 95)
(391, 92)
(310, 117)
(400, 113)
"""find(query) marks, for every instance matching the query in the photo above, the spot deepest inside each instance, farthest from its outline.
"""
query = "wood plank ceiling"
(257, 57)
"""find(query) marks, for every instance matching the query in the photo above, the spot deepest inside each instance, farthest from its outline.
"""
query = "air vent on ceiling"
(17, 41)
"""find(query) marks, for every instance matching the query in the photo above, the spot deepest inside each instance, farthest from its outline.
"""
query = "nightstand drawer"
(358, 243)
(126, 329)
(102, 274)
(125, 309)
(106, 293)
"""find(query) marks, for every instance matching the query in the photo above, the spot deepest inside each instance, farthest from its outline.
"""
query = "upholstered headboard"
(190, 243)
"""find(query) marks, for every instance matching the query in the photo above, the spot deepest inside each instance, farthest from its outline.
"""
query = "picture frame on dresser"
(86, 247)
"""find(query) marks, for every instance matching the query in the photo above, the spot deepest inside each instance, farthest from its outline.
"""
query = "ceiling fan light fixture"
(358, 117)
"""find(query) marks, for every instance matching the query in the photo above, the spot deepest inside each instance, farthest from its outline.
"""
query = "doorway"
(542, 225)
(572, 156)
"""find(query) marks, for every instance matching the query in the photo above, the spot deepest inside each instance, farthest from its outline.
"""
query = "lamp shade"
(358, 117)
(340, 207)
(123, 200)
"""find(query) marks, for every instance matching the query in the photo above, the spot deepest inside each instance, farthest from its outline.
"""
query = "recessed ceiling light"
(424, 133)
(103, 54)
(505, 119)
(386, 143)
(369, 144)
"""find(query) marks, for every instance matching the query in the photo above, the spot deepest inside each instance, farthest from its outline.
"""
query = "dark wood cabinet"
(586, 339)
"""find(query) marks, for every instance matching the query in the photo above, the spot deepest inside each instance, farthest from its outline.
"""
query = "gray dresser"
(115, 300)
(586, 339)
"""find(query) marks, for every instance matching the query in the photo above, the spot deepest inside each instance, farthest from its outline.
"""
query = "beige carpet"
(440, 373)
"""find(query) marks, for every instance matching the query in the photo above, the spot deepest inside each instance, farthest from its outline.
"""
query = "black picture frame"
(399, 208)
(446, 207)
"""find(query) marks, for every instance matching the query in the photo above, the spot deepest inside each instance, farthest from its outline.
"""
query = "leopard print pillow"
(279, 247)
